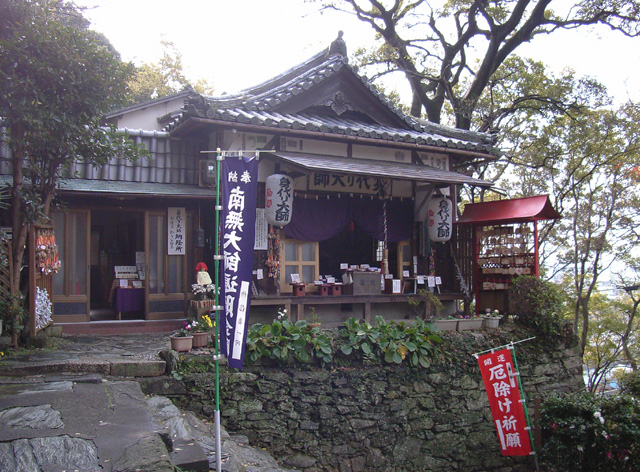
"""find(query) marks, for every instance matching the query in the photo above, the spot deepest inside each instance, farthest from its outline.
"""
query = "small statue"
(338, 46)
(202, 276)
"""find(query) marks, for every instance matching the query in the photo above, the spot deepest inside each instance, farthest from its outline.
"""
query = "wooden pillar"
(32, 280)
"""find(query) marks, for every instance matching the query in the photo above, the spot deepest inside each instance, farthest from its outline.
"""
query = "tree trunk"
(584, 310)
(19, 229)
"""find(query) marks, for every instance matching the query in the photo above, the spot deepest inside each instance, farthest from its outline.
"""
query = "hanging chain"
(384, 217)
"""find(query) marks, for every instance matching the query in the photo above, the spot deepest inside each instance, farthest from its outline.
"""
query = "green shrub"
(424, 299)
(537, 303)
(584, 432)
(630, 384)
(357, 341)
(390, 342)
(285, 342)
(14, 317)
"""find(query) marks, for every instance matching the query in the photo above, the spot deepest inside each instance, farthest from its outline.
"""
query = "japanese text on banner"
(239, 189)
(502, 387)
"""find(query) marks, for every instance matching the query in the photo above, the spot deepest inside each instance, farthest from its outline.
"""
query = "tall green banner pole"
(217, 258)
(524, 405)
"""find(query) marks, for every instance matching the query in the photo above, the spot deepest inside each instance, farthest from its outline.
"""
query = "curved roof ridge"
(450, 132)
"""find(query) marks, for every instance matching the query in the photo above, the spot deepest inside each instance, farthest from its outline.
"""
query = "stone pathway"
(76, 415)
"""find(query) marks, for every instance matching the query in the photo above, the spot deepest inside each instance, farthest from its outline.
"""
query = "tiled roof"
(120, 188)
(170, 161)
(134, 188)
(376, 168)
(257, 106)
(187, 92)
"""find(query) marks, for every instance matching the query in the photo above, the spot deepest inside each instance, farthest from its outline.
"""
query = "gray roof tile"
(257, 106)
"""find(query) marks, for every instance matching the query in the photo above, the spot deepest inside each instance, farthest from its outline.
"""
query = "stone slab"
(137, 368)
(188, 455)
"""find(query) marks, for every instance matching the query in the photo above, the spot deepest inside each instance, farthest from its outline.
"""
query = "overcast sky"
(238, 43)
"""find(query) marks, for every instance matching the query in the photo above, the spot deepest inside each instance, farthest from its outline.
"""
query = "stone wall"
(381, 417)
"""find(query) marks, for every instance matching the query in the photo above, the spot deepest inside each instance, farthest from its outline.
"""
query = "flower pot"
(469, 324)
(444, 325)
(491, 322)
(200, 339)
(181, 343)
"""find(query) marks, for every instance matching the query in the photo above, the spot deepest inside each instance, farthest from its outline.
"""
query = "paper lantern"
(439, 215)
(279, 199)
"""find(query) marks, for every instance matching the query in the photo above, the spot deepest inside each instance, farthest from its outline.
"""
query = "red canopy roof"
(510, 211)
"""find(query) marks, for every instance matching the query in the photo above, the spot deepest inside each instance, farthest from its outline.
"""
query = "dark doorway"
(351, 246)
(116, 236)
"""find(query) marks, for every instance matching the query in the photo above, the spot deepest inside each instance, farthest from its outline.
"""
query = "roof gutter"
(333, 136)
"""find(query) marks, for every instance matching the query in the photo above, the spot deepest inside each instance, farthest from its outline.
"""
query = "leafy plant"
(537, 303)
(185, 331)
(425, 298)
(13, 315)
(187, 365)
(203, 325)
(630, 384)
(358, 338)
(590, 433)
(389, 341)
(286, 342)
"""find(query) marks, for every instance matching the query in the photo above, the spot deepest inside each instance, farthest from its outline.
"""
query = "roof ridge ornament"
(338, 47)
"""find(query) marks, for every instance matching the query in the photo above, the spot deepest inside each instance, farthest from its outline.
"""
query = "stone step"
(124, 368)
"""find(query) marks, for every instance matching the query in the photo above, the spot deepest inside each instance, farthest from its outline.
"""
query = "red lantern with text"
(439, 218)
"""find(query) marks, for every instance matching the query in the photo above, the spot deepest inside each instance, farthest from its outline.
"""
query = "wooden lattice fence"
(6, 271)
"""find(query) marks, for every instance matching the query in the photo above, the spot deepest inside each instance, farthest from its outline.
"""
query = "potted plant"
(200, 330)
(425, 303)
(491, 318)
(314, 321)
(466, 322)
(182, 340)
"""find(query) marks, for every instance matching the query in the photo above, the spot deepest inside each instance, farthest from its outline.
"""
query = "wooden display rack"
(505, 241)
(37, 279)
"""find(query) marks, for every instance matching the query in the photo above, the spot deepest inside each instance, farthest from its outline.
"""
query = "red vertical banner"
(503, 390)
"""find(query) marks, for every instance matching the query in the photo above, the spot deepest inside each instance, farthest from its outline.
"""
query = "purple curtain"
(317, 220)
(369, 216)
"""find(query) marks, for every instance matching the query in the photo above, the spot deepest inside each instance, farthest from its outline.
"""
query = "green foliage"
(537, 303)
(425, 298)
(57, 81)
(533, 297)
(189, 365)
(450, 53)
(357, 341)
(165, 78)
(630, 384)
(389, 341)
(286, 342)
(590, 433)
(13, 315)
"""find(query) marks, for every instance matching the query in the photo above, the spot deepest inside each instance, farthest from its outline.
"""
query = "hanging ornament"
(278, 199)
(439, 214)
(43, 308)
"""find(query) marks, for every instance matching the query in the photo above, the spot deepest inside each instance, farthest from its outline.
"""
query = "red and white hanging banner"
(499, 376)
